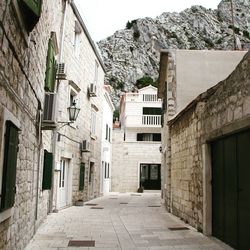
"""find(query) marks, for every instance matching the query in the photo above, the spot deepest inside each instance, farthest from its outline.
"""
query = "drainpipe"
(38, 164)
(54, 136)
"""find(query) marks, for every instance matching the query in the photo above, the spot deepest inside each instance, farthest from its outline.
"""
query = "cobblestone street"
(119, 221)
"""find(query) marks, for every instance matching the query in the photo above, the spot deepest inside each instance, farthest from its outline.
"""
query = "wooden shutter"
(34, 6)
(30, 11)
(51, 68)
(82, 176)
(9, 166)
(47, 170)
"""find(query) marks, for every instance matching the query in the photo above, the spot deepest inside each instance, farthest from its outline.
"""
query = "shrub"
(219, 41)
(246, 34)
(236, 29)
(145, 81)
(136, 34)
(129, 24)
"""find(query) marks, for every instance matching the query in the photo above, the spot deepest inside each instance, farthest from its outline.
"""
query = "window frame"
(77, 39)
(7, 116)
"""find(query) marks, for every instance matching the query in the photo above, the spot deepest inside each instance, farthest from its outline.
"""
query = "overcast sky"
(104, 17)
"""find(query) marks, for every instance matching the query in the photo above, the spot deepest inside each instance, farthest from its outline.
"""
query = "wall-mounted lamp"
(160, 149)
(73, 113)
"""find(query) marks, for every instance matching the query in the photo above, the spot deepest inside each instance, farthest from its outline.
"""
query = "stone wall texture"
(209, 116)
(126, 159)
(22, 74)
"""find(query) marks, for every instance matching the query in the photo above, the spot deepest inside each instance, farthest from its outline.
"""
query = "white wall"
(196, 71)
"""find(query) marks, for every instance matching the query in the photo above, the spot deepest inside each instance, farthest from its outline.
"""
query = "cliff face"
(134, 52)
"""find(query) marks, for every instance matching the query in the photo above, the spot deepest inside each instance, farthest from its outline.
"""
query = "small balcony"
(143, 121)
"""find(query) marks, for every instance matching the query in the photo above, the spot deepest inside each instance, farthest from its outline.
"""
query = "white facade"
(107, 123)
(137, 141)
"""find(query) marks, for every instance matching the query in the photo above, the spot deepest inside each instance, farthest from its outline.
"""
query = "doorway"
(63, 183)
(91, 179)
(231, 190)
(150, 176)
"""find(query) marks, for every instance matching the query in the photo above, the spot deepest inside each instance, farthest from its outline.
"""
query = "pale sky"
(104, 17)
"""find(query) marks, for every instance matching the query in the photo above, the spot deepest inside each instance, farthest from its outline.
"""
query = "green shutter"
(9, 166)
(51, 68)
(47, 170)
(34, 6)
(82, 176)
(30, 11)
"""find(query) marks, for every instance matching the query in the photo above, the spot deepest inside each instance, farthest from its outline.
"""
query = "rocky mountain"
(133, 53)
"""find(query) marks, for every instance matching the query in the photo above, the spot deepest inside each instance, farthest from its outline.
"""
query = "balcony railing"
(143, 121)
(151, 120)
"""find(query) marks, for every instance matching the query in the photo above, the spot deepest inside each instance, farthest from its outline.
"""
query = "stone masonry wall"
(224, 105)
(126, 160)
(186, 172)
(80, 66)
(22, 73)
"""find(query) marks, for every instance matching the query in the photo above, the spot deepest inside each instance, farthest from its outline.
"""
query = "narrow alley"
(119, 221)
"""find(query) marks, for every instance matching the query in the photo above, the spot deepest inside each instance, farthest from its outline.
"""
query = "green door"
(243, 151)
(231, 190)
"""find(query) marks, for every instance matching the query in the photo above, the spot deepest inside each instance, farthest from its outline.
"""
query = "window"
(51, 68)
(151, 111)
(148, 137)
(109, 134)
(30, 12)
(9, 166)
(106, 136)
(93, 122)
(77, 35)
(82, 177)
(91, 172)
(96, 72)
(72, 97)
(47, 170)
(106, 170)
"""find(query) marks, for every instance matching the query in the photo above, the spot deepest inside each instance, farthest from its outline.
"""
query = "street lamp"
(73, 112)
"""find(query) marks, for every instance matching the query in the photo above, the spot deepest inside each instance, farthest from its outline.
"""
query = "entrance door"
(231, 190)
(91, 179)
(150, 176)
(63, 183)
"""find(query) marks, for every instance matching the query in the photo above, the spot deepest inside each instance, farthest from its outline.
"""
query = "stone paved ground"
(118, 225)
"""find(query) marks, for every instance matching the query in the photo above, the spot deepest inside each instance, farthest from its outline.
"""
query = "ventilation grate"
(81, 243)
(154, 206)
(90, 204)
(123, 203)
(96, 208)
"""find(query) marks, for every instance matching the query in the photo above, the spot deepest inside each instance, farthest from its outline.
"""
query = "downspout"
(38, 164)
(55, 131)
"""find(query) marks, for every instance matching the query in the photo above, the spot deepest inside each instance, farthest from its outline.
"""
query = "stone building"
(139, 132)
(77, 147)
(206, 158)
(108, 109)
(48, 64)
(25, 32)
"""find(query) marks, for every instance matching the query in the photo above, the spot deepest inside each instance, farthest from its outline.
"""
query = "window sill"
(6, 214)
(93, 137)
